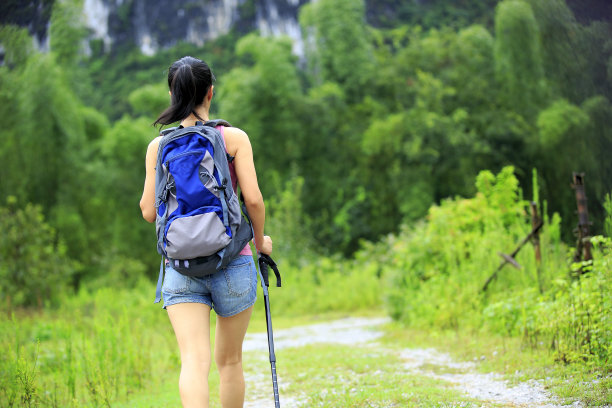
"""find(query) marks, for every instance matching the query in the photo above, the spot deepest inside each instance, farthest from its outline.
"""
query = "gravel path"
(461, 375)
(485, 387)
(352, 330)
(344, 331)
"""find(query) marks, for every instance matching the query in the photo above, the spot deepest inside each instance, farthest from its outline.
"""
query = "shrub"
(436, 271)
(34, 268)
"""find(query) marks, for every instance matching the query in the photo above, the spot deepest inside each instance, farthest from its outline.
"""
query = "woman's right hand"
(266, 245)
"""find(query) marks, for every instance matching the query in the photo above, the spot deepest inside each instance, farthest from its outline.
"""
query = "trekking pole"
(264, 262)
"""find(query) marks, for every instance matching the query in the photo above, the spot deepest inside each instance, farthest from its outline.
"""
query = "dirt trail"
(344, 331)
(485, 387)
(460, 375)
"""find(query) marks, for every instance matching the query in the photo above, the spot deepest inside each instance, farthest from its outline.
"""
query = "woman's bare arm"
(247, 178)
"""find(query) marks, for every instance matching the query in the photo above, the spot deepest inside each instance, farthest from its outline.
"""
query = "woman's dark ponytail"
(189, 80)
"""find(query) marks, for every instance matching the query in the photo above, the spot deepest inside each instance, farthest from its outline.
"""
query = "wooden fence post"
(583, 243)
(535, 221)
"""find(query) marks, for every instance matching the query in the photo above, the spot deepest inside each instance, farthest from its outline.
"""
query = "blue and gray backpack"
(200, 224)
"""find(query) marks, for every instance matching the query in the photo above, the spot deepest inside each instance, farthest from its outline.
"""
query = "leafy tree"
(17, 44)
(49, 153)
(559, 127)
(430, 14)
(598, 137)
(331, 166)
(149, 100)
(472, 69)
(419, 151)
(340, 51)
(48, 134)
(287, 223)
(18, 47)
(123, 149)
(518, 57)
(35, 269)
(66, 31)
(560, 36)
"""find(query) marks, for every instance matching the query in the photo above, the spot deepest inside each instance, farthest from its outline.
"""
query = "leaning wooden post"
(510, 258)
(535, 221)
(583, 244)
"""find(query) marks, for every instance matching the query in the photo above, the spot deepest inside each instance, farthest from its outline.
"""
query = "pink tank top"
(247, 249)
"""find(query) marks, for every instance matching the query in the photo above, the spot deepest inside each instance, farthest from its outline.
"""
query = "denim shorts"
(228, 291)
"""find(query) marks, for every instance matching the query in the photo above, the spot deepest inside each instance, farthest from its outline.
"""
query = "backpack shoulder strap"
(217, 122)
(169, 130)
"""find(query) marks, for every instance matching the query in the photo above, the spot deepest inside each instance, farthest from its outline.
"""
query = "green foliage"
(35, 270)
(114, 76)
(357, 143)
(314, 287)
(580, 329)
(121, 175)
(580, 143)
(260, 99)
(66, 31)
(149, 100)
(560, 37)
(422, 144)
(98, 348)
(437, 269)
(608, 222)
(430, 14)
(518, 56)
(17, 45)
(560, 122)
(44, 101)
(375, 126)
(339, 50)
(288, 224)
(472, 53)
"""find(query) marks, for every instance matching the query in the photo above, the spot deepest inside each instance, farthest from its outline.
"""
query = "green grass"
(111, 347)
(47, 373)
(360, 376)
(114, 348)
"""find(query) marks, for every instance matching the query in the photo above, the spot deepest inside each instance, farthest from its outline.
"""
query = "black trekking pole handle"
(264, 262)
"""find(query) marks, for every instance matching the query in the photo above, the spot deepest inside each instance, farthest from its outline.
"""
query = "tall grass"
(102, 346)
(96, 348)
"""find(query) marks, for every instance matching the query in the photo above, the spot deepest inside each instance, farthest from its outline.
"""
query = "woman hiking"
(231, 291)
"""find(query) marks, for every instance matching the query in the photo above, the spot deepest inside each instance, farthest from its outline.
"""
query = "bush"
(437, 269)
(34, 268)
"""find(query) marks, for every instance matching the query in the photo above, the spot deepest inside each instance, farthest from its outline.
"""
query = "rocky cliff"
(151, 25)
(154, 24)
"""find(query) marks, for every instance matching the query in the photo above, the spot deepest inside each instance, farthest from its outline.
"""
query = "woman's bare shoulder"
(236, 133)
(154, 143)
(153, 148)
(235, 139)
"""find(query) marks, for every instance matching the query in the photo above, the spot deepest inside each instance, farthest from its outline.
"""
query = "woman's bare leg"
(229, 336)
(191, 323)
